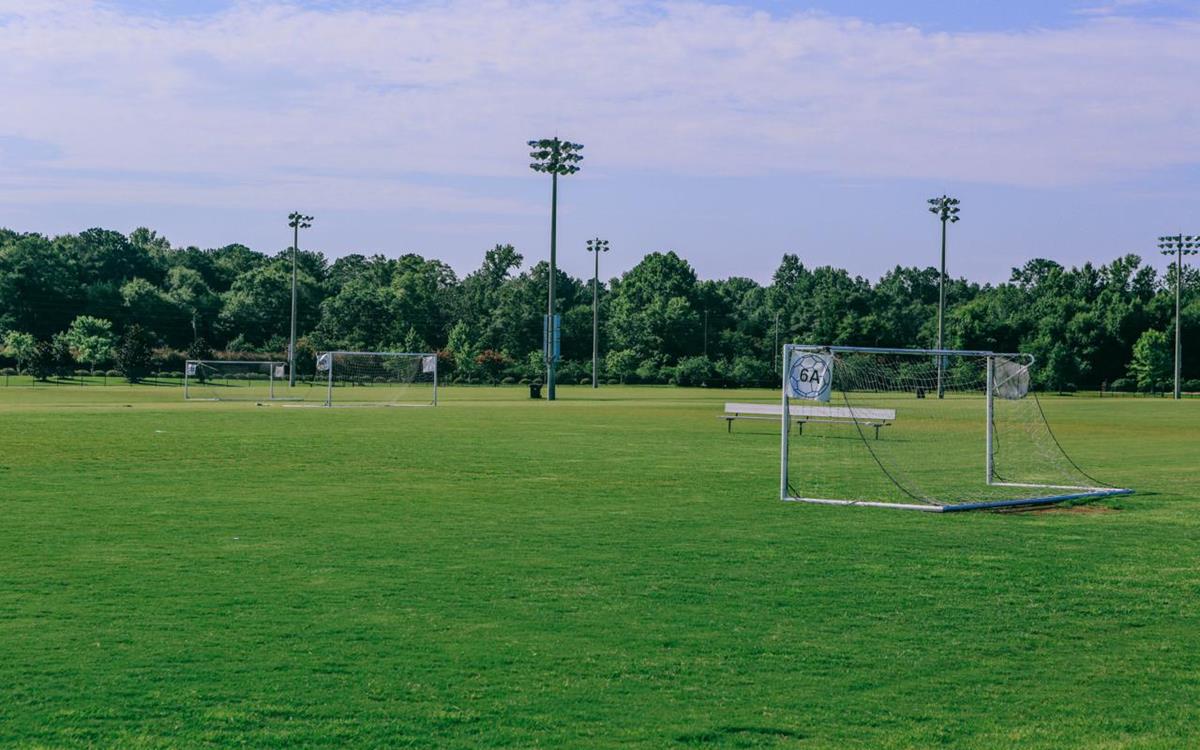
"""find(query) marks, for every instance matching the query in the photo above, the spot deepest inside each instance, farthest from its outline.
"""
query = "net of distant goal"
(341, 378)
(920, 429)
(234, 380)
(378, 378)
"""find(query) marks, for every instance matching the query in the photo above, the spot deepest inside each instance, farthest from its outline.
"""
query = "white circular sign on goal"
(810, 376)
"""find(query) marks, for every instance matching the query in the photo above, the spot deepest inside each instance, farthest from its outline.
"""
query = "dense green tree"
(40, 284)
(362, 315)
(41, 364)
(20, 346)
(91, 340)
(654, 310)
(134, 354)
(1152, 363)
(258, 305)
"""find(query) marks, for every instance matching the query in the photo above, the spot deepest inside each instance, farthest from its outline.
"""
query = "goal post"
(866, 426)
(378, 378)
(232, 380)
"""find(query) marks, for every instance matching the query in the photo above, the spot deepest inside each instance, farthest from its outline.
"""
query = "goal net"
(224, 380)
(920, 430)
(378, 378)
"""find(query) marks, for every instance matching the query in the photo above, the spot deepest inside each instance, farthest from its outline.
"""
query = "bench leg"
(728, 425)
(876, 432)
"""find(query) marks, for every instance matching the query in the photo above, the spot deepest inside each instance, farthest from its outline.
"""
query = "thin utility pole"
(776, 356)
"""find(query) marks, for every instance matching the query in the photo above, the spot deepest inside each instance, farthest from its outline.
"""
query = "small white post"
(329, 387)
(784, 432)
(991, 384)
(185, 379)
(271, 381)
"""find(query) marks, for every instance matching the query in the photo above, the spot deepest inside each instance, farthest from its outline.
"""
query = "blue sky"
(731, 132)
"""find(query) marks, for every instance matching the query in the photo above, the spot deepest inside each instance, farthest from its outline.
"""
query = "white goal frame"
(1061, 493)
(270, 365)
(329, 382)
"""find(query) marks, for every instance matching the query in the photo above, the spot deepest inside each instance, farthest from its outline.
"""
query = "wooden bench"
(801, 414)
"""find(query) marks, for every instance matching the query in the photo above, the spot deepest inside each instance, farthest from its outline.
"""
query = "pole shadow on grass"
(738, 736)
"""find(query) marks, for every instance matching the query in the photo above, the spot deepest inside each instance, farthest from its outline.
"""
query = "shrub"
(491, 363)
(747, 371)
(8, 371)
(82, 373)
(621, 364)
(524, 381)
(169, 359)
(1191, 386)
(571, 371)
(1124, 385)
(612, 381)
(649, 371)
(693, 371)
(585, 381)
(113, 373)
(510, 380)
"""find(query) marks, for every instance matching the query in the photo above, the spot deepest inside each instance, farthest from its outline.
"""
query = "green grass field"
(609, 570)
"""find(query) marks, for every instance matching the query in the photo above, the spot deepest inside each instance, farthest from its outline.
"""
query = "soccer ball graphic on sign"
(809, 377)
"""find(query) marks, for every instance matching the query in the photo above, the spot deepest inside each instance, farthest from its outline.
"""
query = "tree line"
(102, 299)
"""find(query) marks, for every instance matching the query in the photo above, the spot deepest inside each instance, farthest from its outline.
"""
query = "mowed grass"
(609, 570)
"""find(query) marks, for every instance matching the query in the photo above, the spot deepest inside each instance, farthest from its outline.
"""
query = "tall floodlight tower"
(946, 209)
(296, 221)
(1179, 246)
(596, 247)
(556, 157)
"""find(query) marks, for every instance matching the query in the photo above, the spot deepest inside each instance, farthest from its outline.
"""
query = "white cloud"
(453, 89)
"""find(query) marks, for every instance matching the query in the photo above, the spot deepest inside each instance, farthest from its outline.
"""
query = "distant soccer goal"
(378, 378)
(223, 380)
(961, 430)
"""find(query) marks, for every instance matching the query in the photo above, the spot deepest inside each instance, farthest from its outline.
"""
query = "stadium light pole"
(946, 209)
(596, 247)
(1178, 245)
(296, 221)
(555, 157)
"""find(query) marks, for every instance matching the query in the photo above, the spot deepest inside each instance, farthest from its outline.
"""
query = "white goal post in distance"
(232, 380)
(985, 444)
(378, 378)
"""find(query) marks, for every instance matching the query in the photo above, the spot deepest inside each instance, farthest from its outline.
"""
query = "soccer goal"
(378, 378)
(225, 380)
(920, 429)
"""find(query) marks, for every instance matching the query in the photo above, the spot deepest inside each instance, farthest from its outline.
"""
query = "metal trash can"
(535, 390)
